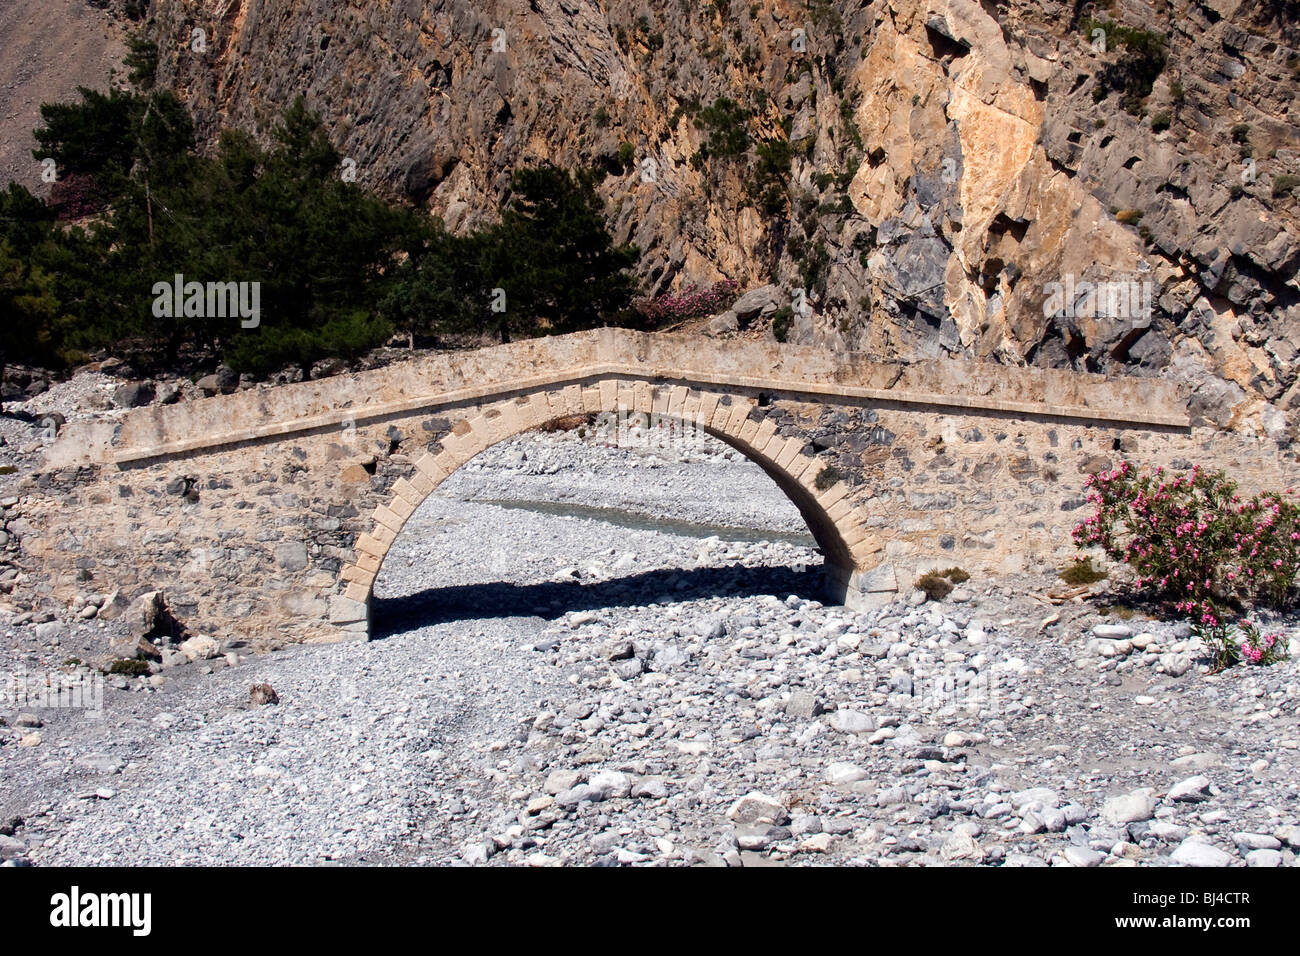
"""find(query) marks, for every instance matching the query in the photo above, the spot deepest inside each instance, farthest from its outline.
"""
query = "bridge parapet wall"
(462, 379)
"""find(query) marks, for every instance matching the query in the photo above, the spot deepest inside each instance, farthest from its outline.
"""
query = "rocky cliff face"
(937, 176)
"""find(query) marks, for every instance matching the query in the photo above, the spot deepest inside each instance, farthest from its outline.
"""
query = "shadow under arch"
(550, 600)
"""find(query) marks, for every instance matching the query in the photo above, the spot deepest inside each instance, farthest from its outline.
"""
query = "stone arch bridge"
(270, 511)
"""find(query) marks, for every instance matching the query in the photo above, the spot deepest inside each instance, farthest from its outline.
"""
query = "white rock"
(1289, 834)
(475, 854)
(1132, 807)
(839, 774)
(1264, 858)
(1112, 632)
(1168, 832)
(852, 722)
(611, 783)
(758, 808)
(818, 843)
(1194, 852)
(1199, 761)
(200, 648)
(1040, 796)
(961, 846)
(1082, 856)
(560, 780)
(1256, 841)
(1191, 790)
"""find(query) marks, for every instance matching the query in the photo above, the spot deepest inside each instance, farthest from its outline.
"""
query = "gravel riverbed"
(590, 688)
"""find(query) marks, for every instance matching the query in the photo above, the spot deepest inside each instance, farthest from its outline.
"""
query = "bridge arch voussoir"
(840, 530)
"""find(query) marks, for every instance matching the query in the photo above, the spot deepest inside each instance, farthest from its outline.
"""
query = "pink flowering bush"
(1199, 545)
(1248, 644)
(690, 303)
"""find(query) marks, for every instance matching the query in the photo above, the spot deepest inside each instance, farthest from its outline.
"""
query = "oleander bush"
(691, 302)
(1201, 547)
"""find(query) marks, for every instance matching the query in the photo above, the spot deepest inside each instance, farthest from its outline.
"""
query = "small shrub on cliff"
(826, 478)
(781, 320)
(1135, 71)
(726, 126)
(1197, 544)
(1284, 184)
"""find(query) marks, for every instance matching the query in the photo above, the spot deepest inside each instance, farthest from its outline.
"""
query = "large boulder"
(133, 394)
(148, 618)
(200, 648)
(723, 323)
(761, 301)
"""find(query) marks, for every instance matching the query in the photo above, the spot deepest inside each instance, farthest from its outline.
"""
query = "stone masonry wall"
(276, 534)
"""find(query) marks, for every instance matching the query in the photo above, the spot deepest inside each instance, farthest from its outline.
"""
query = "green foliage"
(141, 61)
(781, 320)
(1081, 571)
(1196, 543)
(823, 15)
(1161, 121)
(338, 269)
(551, 258)
(850, 124)
(440, 288)
(726, 124)
(771, 179)
(1284, 184)
(814, 267)
(1135, 73)
(95, 136)
(130, 668)
(626, 155)
(554, 256)
(30, 310)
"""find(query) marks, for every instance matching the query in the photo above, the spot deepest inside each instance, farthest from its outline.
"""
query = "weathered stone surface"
(281, 511)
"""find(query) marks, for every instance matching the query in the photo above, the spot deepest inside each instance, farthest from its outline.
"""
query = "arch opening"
(542, 525)
(788, 459)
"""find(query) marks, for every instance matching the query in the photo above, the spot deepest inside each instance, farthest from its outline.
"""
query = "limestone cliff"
(948, 173)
